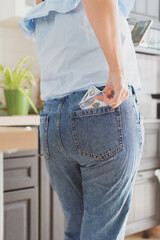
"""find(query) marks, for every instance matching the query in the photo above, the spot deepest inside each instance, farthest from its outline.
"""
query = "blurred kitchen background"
(31, 208)
(14, 46)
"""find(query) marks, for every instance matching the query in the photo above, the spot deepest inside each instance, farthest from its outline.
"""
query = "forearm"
(38, 1)
(103, 16)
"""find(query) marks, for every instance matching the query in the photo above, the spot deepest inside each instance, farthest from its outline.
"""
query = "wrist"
(117, 70)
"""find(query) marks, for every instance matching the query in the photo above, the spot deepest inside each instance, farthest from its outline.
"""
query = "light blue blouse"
(68, 51)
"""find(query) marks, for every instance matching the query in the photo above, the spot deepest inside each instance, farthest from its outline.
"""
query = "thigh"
(64, 174)
(108, 183)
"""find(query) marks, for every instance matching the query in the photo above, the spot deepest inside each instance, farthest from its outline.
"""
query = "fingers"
(123, 95)
(118, 98)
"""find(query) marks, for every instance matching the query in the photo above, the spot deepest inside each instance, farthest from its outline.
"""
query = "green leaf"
(29, 99)
(1, 68)
(21, 63)
(31, 78)
(20, 78)
(8, 73)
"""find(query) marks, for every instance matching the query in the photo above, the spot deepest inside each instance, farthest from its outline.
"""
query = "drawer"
(151, 152)
(21, 172)
(144, 212)
(21, 215)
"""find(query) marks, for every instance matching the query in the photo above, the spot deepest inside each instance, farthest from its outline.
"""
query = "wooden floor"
(139, 237)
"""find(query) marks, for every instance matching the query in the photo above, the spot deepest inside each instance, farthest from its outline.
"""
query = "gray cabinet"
(144, 212)
(140, 7)
(147, 8)
(21, 214)
(20, 172)
(153, 9)
(1, 195)
(21, 193)
(151, 151)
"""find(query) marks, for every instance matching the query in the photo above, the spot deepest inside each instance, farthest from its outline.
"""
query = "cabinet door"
(147, 8)
(151, 152)
(141, 7)
(21, 215)
(145, 211)
(21, 172)
(1, 195)
(153, 9)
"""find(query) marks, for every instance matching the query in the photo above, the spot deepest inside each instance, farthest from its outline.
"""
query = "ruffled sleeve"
(28, 23)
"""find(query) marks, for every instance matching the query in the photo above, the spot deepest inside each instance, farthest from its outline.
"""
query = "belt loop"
(131, 90)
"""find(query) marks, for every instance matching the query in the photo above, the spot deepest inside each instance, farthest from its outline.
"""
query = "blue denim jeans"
(92, 157)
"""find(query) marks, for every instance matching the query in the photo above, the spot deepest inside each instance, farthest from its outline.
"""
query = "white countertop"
(34, 120)
(151, 120)
(17, 120)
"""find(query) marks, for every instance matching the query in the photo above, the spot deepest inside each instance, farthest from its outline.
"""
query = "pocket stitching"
(91, 112)
(103, 156)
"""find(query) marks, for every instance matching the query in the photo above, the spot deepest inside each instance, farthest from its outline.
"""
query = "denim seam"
(138, 117)
(120, 125)
(46, 152)
(103, 155)
(137, 113)
(59, 137)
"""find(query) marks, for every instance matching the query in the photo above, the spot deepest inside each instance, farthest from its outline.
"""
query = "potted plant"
(18, 97)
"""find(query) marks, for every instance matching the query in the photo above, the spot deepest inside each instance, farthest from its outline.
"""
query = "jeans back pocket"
(44, 119)
(97, 132)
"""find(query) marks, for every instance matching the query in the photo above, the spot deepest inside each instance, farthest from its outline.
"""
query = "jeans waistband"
(59, 100)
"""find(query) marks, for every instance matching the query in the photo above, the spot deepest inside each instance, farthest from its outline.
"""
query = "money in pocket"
(88, 100)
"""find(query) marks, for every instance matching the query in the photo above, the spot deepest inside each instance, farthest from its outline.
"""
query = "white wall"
(14, 46)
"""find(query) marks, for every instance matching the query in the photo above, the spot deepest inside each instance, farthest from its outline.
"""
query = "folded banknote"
(88, 100)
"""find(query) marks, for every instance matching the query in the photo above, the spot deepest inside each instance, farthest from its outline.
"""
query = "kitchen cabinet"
(20, 172)
(151, 152)
(144, 10)
(145, 209)
(1, 196)
(21, 214)
(147, 8)
(12, 10)
(144, 212)
(21, 188)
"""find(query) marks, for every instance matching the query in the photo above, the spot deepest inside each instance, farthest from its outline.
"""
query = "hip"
(96, 134)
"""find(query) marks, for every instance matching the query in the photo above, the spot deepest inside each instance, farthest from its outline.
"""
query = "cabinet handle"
(140, 175)
(157, 174)
(12, 150)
